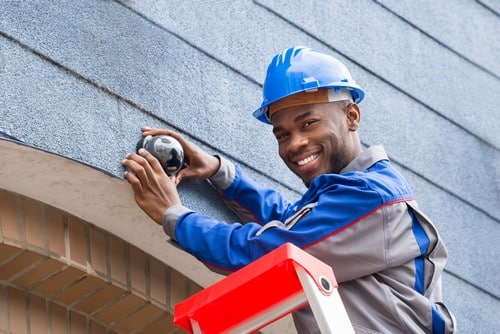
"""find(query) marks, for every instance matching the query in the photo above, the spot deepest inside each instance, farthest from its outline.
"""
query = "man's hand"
(201, 165)
(154, 192)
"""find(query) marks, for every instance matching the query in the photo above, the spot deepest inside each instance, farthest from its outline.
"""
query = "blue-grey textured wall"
(80, 77)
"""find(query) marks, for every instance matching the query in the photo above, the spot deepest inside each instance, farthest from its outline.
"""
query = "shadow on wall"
(3, 135)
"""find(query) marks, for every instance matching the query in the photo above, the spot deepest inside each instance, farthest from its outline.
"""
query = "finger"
(134, 182)
(175, 180)
(180, 138)
(140, 167)
(184, 174)
(147, 131)
(188, 173)
(152, 161)
(129, 163)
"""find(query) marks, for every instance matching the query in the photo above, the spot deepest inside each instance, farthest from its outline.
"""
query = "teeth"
(308, 159)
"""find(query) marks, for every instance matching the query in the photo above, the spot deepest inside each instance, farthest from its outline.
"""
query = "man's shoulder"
(380, 179)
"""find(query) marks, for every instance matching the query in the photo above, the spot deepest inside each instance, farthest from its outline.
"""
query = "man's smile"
(308, 159)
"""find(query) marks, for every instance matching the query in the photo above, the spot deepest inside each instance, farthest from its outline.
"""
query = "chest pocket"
(290, 222)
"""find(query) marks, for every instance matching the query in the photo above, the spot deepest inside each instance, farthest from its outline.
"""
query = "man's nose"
(297, 141)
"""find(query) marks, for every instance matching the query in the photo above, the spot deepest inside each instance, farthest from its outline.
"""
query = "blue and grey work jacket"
(387, 256)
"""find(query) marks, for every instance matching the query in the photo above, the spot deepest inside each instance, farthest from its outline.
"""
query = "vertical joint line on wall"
(68, 321)
(86, 232)
(168, 284)
(6, 307)
(28, 311)
(147, 269)
(107, 257)
(88, 324)
(67, 247)
(128, 274)
(45, 228)
(187, 286)
(49, 318)
(20, 219)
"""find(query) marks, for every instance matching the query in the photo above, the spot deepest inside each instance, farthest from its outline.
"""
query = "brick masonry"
(61, 274)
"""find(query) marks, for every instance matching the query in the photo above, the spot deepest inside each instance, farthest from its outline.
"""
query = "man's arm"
(250, 201)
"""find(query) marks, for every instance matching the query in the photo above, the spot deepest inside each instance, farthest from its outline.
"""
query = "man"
(358, 214)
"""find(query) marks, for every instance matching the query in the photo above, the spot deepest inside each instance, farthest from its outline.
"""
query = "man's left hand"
(154, 192)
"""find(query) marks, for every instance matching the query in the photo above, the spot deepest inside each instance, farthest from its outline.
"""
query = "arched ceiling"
(93, 196)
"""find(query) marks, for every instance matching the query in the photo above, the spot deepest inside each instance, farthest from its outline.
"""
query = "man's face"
(316, 139)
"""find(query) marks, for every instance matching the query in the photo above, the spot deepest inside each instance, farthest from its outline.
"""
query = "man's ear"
(353, 116)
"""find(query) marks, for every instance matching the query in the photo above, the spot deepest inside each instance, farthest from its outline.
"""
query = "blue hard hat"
(300, 69)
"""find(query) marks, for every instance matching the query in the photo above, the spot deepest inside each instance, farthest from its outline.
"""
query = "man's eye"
(280, 136)
(309, 123)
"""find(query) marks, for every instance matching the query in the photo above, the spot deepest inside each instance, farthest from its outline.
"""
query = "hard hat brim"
(356, 92)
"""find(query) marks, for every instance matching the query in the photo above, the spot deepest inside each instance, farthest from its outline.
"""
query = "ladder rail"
(264, 291)
(328, 310)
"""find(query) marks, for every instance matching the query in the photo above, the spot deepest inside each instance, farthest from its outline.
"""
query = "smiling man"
(358, 213)
(317, 138)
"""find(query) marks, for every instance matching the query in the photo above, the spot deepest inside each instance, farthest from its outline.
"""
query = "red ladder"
(264, 291)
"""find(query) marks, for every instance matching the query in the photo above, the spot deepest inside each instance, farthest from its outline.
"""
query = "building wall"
(79, 78)
(61, 274)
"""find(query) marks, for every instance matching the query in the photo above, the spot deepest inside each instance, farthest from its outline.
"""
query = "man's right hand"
(201, 165)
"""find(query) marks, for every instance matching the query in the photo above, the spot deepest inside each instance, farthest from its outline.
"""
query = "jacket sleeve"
(250, 201)
(347, 221)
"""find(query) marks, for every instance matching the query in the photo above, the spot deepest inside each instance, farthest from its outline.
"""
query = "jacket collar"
(366, 159)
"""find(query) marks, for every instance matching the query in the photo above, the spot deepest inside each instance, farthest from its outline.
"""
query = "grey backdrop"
(79, 78)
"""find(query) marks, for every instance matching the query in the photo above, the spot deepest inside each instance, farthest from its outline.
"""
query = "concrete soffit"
(95, 197)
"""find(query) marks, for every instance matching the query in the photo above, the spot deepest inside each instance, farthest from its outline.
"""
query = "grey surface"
(465, 27)
(209, 88)
(79, 78)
